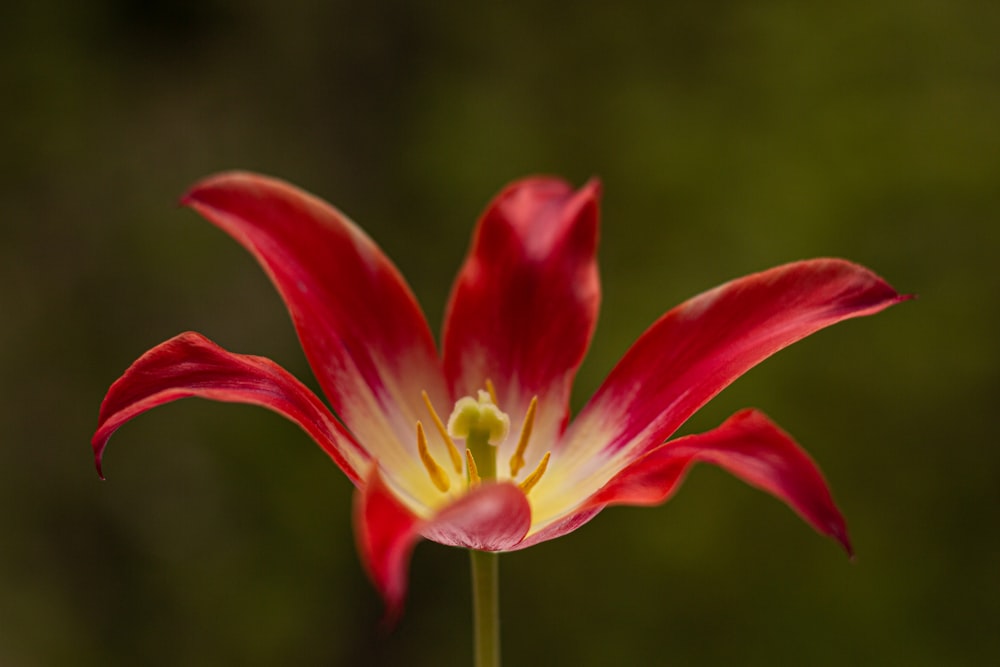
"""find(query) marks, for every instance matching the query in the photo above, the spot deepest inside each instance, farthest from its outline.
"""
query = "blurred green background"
(730, 136)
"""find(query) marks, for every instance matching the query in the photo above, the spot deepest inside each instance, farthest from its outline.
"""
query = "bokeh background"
(730, 137)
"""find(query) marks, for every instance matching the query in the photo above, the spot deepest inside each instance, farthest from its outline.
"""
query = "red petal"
(697, 349)
(386, 532)
(492, 517)
(560, 527)
(191, 365)
(524, 305)
(747, 445)
(360, 326)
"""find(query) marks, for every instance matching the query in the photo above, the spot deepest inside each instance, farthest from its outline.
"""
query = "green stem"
(486, 607)
(484, 453)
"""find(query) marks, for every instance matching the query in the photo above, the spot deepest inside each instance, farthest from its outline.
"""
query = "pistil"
(483, 426)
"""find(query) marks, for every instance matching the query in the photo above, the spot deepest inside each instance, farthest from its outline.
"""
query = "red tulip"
(473, 447)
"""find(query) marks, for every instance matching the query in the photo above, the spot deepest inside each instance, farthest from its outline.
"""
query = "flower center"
(484, 427)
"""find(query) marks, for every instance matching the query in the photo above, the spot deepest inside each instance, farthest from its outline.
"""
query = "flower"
(473, 447)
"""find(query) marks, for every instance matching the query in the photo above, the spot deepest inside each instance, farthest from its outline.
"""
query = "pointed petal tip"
(391, 616)
(591, 189)
(890, 294)
(839, 533)
(191, 195)
(594, 187)
(194, 194)
(98, 443)
(202, 190)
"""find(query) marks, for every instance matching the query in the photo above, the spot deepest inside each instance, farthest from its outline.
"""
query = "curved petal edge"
(700, 347)
(190, 365)
(747, 445)
(491, 517)
(360, 325)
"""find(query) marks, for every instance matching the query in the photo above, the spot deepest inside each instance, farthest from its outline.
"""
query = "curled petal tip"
(190, 365)
(97, 444)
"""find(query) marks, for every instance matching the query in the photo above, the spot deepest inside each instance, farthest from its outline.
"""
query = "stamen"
(436, 472)
(517, 460)
(492, 390)
(532, 479)
(456, 458)
(474, 479)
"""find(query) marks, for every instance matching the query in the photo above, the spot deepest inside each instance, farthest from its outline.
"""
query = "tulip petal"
(749, 446)
(700, 347)
(386, 531)
(491, 517)
(191, 365)
(360, 326)
(524, 305)
(559, 527)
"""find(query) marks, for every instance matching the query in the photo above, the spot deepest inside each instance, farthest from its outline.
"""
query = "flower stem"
(486, 607)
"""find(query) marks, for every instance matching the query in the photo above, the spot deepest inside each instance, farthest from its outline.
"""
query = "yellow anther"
(532, 479)
(492, 391)
(517, 460)
(436, 472)
(474, 479)
(456, 458)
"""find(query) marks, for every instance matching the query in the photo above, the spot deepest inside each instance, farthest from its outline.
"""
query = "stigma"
(479, 418)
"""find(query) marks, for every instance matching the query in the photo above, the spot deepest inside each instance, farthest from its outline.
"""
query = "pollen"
(437, 474)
